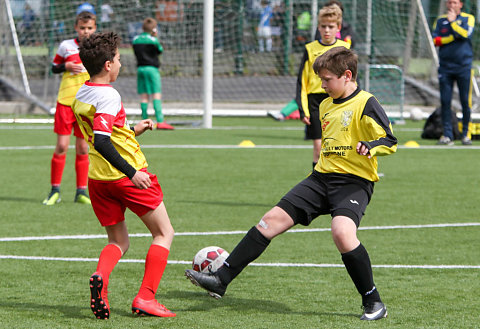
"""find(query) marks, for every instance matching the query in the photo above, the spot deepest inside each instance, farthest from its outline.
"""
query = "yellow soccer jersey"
(68, 52)
(345, 122)
(308, 82)
(99, 110)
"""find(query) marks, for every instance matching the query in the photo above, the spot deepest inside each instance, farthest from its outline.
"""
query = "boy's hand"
(74, 68)
(143, 125)
(363, 150)
(306, 120)
(141, 180)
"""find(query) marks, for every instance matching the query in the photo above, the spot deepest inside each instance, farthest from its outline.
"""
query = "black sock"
(247, 250)
(359, 268)
(55, 189)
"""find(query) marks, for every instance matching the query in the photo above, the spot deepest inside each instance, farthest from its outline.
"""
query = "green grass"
(209, 189)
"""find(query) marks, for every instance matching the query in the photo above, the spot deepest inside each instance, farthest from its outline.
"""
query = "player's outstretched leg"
(208, 281)
(98, 297)
(374, 311)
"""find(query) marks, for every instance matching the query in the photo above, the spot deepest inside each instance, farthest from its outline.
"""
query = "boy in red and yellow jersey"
(118, 178)
(68, 61)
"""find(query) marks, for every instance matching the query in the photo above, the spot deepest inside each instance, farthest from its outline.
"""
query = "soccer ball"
(416, 114)
(209, 259)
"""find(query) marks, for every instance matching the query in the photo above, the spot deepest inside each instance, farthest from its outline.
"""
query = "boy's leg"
(81, 168)
(144, 105)
(288, 109)
(158, 222)
(357, 263)
(109, 257)
(157, 106)
(253, 244)
(56, 169)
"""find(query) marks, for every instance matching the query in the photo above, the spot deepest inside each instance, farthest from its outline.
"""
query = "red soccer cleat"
(150, 307)
(164, 126)
(98, 297)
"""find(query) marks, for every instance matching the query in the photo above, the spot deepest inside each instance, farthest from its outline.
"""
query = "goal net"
(391, 38)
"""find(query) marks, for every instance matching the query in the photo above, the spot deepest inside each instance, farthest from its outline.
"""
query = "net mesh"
(242, 74)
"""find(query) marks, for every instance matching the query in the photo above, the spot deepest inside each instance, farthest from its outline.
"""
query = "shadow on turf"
(226, 203)
(206, 302)
(18, 199)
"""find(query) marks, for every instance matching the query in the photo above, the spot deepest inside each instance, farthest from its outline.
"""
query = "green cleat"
(53, 198)
(82, 198)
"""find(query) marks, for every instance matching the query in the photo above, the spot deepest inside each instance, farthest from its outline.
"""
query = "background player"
(355, 129)
(147, 48)
(346, 34)
(309, 86)
(118, 178)
(68, 62)
(453, 35)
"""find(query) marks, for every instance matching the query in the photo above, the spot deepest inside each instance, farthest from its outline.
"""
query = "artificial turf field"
(422, 231)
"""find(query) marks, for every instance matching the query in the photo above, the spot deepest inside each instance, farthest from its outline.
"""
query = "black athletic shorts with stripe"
(321, 194)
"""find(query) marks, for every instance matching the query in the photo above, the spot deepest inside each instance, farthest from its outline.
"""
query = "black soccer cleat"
(374, 311)
(208, 281)
(98, 297)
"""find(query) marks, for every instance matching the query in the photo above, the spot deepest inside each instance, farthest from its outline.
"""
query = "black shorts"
(321, 194)
(314, 130)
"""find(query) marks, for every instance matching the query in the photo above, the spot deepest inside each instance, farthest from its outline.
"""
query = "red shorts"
(65, 121)
(111, 198)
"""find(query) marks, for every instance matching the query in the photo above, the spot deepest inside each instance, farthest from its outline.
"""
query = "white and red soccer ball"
(209, 259)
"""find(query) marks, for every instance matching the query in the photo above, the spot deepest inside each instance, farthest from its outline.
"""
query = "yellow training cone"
(411, 144)
(246, 143)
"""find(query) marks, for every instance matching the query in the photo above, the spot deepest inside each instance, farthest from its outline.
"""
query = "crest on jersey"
(346, 118)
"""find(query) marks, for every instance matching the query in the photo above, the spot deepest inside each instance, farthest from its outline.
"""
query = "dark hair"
(85, 16)
(337, 60)
(97, 49)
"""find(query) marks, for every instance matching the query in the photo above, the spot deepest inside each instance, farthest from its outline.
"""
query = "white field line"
(301, 230)
(192, 146)
(101, 236)
(185, 262)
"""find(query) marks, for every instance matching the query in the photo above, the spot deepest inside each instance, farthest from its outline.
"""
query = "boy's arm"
(377, 125)
(58, 68)
(104, 146)
(300, 86)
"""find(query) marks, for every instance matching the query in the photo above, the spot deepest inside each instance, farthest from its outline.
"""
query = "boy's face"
(85, 28)
(115, 66)
(333, 85)
(328, 30)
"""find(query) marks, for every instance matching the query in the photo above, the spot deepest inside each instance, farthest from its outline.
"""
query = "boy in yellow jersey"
(355, 130)
(118, 178)
(68, 62)
(309, 86)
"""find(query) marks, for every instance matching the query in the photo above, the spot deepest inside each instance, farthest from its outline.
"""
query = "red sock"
(109, 257)
(81, 167)
(154, 266)
(58, 163)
